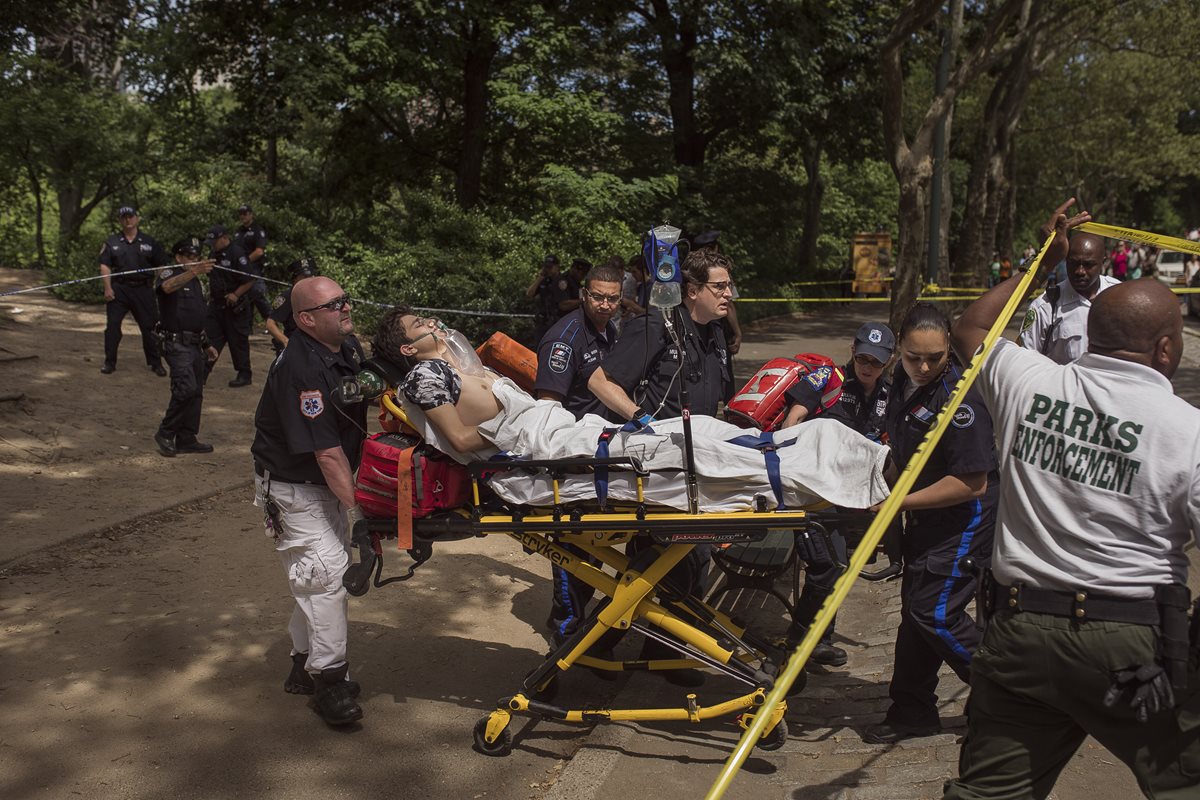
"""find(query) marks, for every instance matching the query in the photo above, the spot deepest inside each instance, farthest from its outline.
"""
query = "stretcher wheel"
(503, 744)
(772, 741)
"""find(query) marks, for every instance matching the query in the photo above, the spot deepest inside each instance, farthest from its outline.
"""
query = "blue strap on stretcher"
(765, 443)
(600, 474)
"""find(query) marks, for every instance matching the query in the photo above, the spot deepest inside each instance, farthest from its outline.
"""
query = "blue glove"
(638, 424)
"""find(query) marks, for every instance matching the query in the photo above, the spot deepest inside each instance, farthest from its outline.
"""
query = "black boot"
(298, 680)
(334, 699)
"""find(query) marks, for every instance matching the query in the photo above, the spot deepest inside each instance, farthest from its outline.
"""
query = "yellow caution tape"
(871, 539)
(1145, 237)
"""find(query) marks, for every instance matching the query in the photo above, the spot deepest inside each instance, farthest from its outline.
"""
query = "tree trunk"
(272, 159)
(476, 69)
(814, 195)
(70, 215)
(678, 41)
(915, 178)
(35, 184)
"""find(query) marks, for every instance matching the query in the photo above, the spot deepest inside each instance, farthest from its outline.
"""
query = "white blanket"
(819, 460)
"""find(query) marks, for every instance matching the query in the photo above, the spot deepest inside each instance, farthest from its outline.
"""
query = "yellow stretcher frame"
(709, 638)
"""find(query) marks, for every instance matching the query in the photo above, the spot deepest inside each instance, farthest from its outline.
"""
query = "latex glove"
(353, 514)
(1147, 687)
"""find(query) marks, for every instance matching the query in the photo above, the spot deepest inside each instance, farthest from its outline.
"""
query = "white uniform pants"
(314, 547)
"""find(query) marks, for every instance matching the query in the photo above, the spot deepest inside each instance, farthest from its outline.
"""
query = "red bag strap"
(404, 507)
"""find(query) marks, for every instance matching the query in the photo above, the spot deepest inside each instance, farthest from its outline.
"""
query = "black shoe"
(166, 444)
(300, 682)
(194, 447)
(828, 655)
(157, 369)
(240, 380)
(108, 369)
(893, 570)
(334, 697)
(892, 732)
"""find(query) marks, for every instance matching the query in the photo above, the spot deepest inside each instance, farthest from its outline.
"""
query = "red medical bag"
(761, 403)
(438, 482)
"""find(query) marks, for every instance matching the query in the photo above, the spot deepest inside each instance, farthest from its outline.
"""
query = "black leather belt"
(135, 281)
(1079, 604)
(261, 472)
(183, 337)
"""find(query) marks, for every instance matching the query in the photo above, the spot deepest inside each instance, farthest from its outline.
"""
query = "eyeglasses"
(719, 287)
(336, 304)
(864, 360)
(603, 299)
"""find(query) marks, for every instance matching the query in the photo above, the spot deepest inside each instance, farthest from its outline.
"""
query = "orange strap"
(404, 517)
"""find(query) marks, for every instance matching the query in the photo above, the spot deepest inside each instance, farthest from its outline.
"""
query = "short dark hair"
(391, 335)
(699, 263)
(603, 274)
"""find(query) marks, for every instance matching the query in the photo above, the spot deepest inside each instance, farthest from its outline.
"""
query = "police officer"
(253, 240)
(575, 276)
(183, 308)
(307, 444)
(280, 323)
(1088, 631)
(229, 312)
(547, 290)
(856, 396)
(126, 290)
(640, 381)
(1056, 323)
(951, 513)
(567, 356)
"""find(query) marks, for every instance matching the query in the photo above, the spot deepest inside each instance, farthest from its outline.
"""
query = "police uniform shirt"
(122, 256)
(966, 447)
(252, 238)
(568, 355)
(1101, 465)
(222, 282)
(1069, 340)
(300, 411)
(183, 310)
(645, 348)
(281, 311)
(550, 292)
(853, 408)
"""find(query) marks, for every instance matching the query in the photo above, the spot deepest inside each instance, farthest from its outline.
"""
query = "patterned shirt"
(431, 384)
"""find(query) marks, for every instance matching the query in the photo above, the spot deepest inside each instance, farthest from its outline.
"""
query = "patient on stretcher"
(470, 413)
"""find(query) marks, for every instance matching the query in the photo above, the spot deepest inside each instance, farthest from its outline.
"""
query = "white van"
(1170, 268)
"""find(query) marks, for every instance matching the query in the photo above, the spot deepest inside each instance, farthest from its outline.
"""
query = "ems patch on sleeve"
(560, 357)
(312, 403)
(277, 302)
(165, 273)
(1030, 318)
(819, 377)
(964, 417)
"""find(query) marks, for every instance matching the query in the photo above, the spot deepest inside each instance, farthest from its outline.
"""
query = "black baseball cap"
(875, 340)
(244, 208)
(706, 238)
(582, 263)
(550, 259)
(189, 245)
(214, 233)
(126, 211)
(303, 268)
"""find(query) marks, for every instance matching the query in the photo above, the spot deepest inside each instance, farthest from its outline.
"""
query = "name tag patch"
(312, 403)
(560, 357)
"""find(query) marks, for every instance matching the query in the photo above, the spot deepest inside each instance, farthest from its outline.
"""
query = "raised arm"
(972, 327)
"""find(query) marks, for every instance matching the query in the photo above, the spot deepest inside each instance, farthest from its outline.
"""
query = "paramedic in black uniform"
(280, 323)
(951, 516)
(860, 403)
(634, 380)
(126, 291)
(567, 355)
(307, 444)
(184, 309)
(230, 313)
(253, 240)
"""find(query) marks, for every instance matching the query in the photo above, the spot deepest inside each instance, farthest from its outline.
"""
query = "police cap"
(245, 208)
(706, 239)
(303, 268)
(214, 233)
(126, 211)
(187, 246)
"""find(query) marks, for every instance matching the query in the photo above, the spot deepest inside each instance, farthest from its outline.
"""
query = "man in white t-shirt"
(1056, 324)
(1099, 494)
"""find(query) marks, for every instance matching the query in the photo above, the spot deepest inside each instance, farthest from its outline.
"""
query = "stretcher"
(637, 592)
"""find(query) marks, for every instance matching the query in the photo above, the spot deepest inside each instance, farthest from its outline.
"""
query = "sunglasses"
(336, 304)
(610, 299)
(864, 360)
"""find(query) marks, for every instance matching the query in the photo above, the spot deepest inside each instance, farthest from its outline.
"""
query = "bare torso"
(476, 403)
